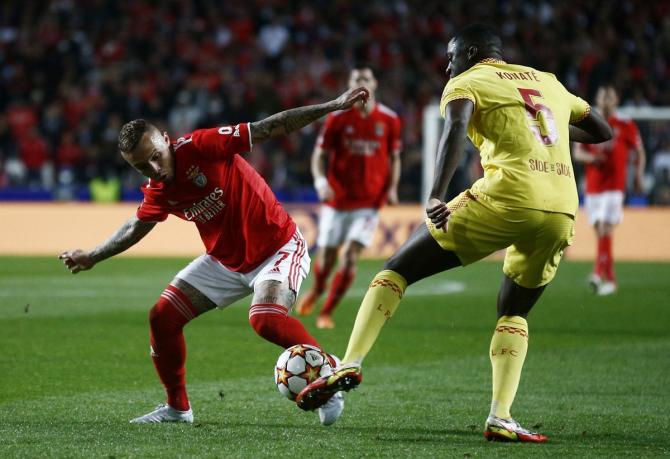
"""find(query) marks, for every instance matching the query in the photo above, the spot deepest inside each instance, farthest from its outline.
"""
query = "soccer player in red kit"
(606, 167)
(252, 244)
(361, 147)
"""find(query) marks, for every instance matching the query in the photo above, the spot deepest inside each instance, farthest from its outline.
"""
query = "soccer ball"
(298, 366)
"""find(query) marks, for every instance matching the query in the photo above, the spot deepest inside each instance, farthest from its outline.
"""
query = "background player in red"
(606, 166)
(356, 169)
(252, 245)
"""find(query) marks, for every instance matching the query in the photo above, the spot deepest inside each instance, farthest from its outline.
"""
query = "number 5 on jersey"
(540, 116)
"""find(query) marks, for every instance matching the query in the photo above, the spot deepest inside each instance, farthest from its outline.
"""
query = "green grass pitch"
(75, 368)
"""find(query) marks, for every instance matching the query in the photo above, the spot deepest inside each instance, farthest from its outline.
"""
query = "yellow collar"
(491, 60)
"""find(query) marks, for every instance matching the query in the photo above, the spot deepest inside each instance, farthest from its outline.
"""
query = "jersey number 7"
(541, 118)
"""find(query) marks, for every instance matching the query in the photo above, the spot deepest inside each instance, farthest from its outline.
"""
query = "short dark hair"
(360, 65)
(483, 36)
(131, 133)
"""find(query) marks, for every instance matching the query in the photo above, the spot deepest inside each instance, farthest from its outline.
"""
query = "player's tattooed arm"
(129, 234)
(296, 118)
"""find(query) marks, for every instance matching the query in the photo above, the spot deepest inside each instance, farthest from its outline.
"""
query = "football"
(298, 366)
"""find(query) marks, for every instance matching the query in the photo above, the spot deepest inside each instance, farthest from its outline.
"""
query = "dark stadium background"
(72, 72)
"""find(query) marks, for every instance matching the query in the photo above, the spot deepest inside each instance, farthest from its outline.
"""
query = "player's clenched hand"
(438, 213)
(76, 260)
(349, 98)
(323, 189)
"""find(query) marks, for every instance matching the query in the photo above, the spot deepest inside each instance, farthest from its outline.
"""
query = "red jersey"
(610, 175)
(359, 151)
(239, 219)
(34, 151)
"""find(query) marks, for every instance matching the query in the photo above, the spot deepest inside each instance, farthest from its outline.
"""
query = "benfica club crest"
(379, 129)
(198, 178)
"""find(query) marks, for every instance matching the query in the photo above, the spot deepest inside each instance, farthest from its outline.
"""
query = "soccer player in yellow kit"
(522, 121)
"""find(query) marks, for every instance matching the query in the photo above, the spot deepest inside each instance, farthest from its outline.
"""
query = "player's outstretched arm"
(580, 155)
(125, 237)
(318, 165)
(592, 129)
(449, 152)
(296, 118)
(395, 178)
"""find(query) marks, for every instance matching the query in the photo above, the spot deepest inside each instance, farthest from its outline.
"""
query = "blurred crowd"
(72, 72)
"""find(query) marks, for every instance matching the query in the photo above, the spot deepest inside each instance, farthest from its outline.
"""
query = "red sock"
(271, 321)
(320, 277)
(341, 284)
(605, 252)
(598, 265)
(168, 349)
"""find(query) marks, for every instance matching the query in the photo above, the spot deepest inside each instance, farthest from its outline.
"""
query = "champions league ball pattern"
(298, 366)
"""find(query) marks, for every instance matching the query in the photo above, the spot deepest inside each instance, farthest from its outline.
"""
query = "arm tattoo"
(288, 121)
(125, 237)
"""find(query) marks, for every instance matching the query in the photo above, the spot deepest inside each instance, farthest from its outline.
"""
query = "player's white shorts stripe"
(177, 303)
(296, 275)
(295, 262)
(296, 256)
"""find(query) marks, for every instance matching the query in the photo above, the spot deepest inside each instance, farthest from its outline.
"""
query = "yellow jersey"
(520, 126)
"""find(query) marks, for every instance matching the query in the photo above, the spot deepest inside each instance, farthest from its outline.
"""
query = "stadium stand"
(74, 71)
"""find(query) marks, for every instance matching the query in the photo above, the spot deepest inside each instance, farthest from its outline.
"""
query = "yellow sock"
(379, 304)
(508, 351)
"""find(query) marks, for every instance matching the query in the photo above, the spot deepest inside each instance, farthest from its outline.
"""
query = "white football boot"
(165, 413)
(607, 288)
(594, 282)
(332, 409)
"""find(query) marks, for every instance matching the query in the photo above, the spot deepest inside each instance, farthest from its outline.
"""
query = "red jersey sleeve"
(395, 138)
(223, 141)
(150, 210)
(326, 139)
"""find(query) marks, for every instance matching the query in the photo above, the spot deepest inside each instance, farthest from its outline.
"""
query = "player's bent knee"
(160, 318)
(170, 314)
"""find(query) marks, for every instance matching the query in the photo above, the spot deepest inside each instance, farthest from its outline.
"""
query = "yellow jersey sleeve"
(456, 88)
(579, 108)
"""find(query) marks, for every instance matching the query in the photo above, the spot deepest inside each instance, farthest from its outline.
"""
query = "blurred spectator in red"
(21, 118)
(85, 65)
(69, 153)
(34, 153)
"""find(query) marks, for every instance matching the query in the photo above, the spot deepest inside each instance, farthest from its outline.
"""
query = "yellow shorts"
(534, 239)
